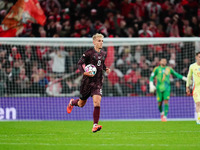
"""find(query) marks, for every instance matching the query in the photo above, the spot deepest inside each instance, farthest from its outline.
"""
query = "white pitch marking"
(138, 145)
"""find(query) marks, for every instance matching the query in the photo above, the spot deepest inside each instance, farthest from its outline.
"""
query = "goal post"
(34, 70)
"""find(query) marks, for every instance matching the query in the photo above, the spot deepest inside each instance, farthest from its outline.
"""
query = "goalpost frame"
(88, 41)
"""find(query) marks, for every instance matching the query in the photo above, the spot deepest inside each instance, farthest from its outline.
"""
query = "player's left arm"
(177, 74)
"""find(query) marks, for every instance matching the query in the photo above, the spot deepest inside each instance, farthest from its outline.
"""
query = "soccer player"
(162, 74)
(194, 74)
(91, 85)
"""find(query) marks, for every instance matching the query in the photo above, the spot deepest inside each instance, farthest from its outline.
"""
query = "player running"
(194, 74)
(91, 85)
(162, 74)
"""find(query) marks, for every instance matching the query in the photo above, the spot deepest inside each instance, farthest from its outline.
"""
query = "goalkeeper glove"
(184, 78)
(152, 87)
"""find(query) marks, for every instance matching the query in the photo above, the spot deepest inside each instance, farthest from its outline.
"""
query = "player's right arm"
(152, 87)
(188, 82)
(82, 61)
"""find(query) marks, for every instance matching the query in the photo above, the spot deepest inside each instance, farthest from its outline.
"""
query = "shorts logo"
(100, 91)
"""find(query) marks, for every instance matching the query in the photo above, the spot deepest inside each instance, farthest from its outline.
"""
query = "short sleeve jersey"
(91, 56)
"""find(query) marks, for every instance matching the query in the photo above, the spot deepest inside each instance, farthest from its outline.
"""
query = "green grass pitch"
(115, 135)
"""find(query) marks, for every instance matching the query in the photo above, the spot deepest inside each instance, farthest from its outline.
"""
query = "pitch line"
(115, 145)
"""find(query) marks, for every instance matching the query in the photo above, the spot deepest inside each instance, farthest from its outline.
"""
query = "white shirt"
(58, 61)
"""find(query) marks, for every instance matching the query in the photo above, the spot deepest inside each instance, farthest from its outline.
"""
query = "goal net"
(38, 76)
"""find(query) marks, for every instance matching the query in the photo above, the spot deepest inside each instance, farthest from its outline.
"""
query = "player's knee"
(97, 103)
(165, 101)
(198, 106)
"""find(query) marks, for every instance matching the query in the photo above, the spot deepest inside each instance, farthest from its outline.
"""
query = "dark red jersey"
(91, 56)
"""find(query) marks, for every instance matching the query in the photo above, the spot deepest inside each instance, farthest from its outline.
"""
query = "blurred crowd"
(37, 70)
(52, 71)
(116, 18)
(42, 69)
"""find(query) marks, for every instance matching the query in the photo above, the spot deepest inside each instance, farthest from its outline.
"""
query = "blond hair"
(97, 35)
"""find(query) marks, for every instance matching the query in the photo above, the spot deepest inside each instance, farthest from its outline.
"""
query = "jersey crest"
(167, 71)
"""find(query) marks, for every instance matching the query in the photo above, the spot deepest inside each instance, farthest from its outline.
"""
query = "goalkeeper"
(162, 74)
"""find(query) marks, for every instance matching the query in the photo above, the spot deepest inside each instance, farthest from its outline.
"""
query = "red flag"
(11, 23)
(22, 12)
(34, 12)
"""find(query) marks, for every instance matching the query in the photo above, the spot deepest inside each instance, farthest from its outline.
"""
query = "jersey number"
(99, 63)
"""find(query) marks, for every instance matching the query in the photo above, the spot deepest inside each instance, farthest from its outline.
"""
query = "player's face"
(163, 62)
(98, 42)
(198, 58)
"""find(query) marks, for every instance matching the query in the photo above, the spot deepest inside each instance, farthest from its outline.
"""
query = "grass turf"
(114, 135)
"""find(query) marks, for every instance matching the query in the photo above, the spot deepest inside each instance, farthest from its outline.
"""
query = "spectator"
(194, 25)
(29, 58)
(23, 81)
(188, 32)
(50, 27)
(185, 66)
(15, 71)
(160, 32)
(153, 28)
(142, 87)
(115, 78)
(129, 85)
(126, 7)
(173, 29)
(145, 71)
(178, 89)
(34, 86)
(133, 77)
(53, 7)
(58, 57)
(42, 32)
(138, 53)
(42, 79)
(154, 9)
(14, 55)
(145, 32)
(15, 77)
(39, 82)
(139, 9)
(2, 81)
(3, 57)
(54, 86)
(172, 63)
(155, 62)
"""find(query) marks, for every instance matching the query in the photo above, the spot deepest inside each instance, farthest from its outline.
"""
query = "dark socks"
(160, 108)
(75, 102)
(96, 115)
